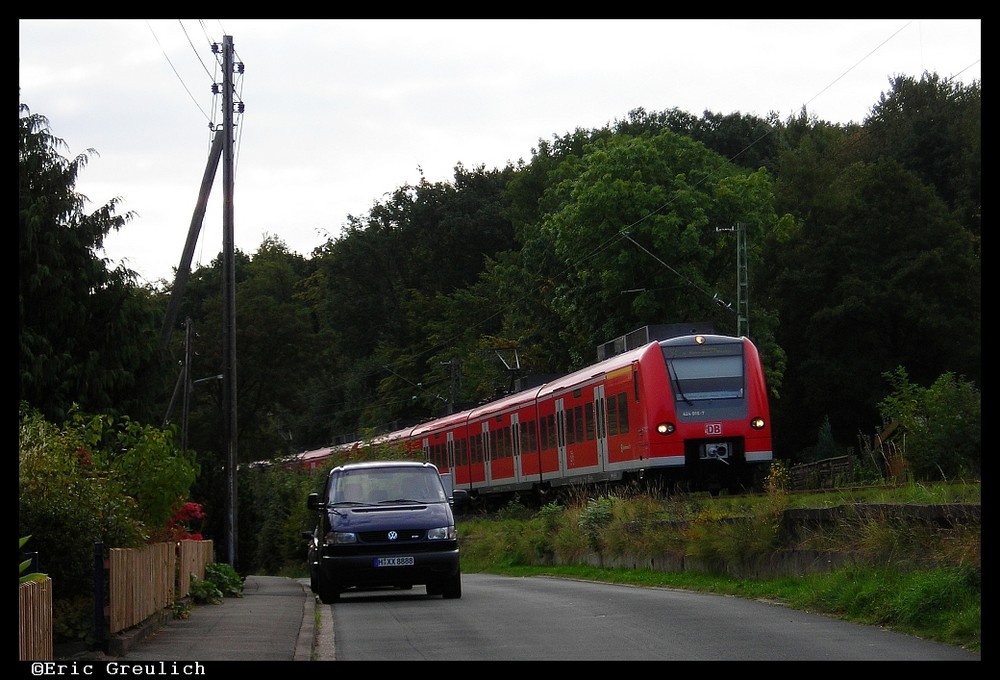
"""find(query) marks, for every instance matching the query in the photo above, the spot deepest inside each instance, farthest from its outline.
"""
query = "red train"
(690, 410)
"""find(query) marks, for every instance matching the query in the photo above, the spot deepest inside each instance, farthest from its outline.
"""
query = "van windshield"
(373, 486)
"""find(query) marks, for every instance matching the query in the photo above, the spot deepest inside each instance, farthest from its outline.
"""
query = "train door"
(450, 459)
(484, 434)
(561, 434)
(602, 429)
(515, 444)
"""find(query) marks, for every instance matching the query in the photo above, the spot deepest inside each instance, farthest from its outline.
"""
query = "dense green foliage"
(273, 515)
(934, 419)
(87, 332)
(221, 581)
(94, 479)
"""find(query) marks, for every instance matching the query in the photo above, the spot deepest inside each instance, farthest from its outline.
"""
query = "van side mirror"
(312, 502)
(459, 497)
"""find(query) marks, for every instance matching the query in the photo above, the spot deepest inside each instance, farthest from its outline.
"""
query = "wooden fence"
(825, 474)
(146, 580)
(192, 558)
(141, 583)
(34, 616)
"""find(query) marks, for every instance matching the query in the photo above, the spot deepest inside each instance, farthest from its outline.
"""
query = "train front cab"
(720, 413)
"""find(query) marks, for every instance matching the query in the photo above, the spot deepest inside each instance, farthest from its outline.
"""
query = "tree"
(628, 238)
(883, 276)
(934, 420)
(87, 332)
(378, 281)
(933, 128)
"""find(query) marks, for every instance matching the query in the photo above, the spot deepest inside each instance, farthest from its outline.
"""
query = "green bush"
(95, 479)
(204, 591)
(273, 515)
(73, 620)
(225, 579)
(66, 506)
(942, 423)
(593, 519)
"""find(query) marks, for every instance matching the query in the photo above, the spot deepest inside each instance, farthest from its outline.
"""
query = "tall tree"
(379, 277)
(933, 128)
(629, 238)
(87, 331)
(881, 276)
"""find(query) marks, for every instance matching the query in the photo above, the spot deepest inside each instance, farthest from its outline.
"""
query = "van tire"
(328, 592)
(452, 588)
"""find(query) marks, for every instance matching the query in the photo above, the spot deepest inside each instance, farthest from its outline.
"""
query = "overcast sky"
(339, 113)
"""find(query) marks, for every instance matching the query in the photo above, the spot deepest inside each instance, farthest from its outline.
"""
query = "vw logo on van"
(393, 535)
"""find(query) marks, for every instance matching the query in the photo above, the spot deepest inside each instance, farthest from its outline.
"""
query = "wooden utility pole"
(229, 303)
(184, 270)
(222, 148)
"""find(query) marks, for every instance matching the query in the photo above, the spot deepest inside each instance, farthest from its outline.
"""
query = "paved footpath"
(275, 620)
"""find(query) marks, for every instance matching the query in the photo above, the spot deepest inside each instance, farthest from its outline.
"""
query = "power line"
(174, 69)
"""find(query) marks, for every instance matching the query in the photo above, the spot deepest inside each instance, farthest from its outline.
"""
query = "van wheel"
(328, 592)
(452, 588)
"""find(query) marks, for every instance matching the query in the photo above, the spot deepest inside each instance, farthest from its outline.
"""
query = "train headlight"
(757, 423)
(666, 428)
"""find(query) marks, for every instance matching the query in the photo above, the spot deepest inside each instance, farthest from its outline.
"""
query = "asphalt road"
(546, 619)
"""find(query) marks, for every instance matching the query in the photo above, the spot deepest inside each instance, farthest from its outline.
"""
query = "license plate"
(393, 561)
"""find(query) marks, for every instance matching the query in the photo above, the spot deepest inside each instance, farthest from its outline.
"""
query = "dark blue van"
(384, 524)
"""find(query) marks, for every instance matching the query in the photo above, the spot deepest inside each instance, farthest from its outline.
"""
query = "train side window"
(612, 417)
(589, 417)
(579, 423)
(570, 430)
(622, 413)
(532, 439)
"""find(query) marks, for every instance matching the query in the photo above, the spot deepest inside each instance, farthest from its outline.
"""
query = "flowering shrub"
(181, 526)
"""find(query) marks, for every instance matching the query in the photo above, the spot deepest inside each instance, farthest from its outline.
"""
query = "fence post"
(99, 592)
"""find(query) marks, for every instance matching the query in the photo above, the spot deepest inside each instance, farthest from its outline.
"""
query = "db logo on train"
(713, 429)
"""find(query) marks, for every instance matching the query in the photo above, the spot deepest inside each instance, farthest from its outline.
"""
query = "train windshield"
(697, 376)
